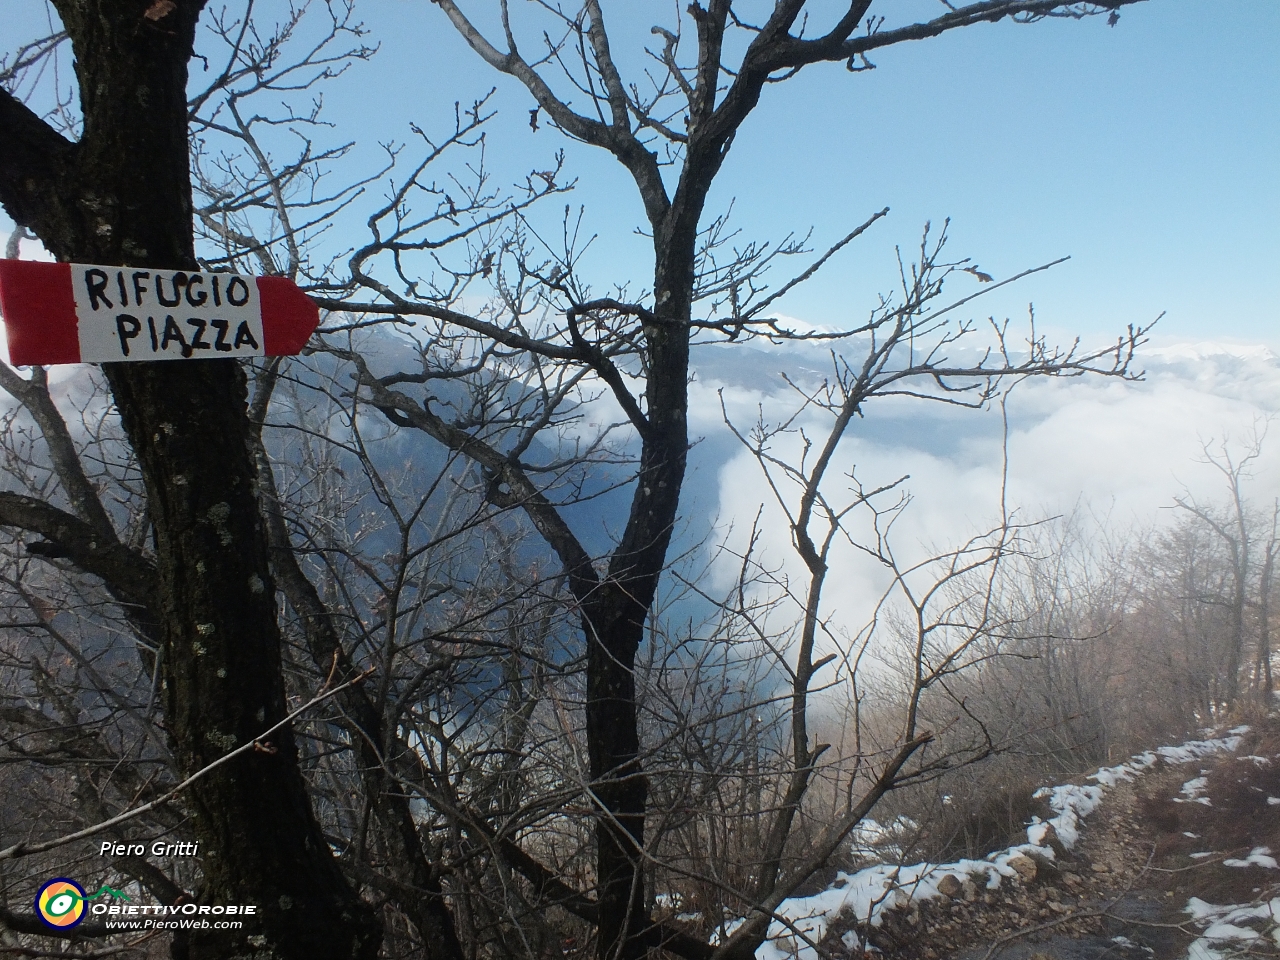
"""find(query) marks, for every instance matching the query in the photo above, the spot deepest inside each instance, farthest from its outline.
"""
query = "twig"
(996, 945)
(256, 744)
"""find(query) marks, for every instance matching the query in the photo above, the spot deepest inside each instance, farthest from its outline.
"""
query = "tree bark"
(122, 195)
(615, 616)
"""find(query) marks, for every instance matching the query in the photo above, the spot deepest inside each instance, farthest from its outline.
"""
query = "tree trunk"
(1262, 673)
(122, 195)
(614, 630)
(614, 621)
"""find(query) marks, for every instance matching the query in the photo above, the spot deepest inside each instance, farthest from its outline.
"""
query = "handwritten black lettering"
(217, 297)
(194, 281)
(127, 328)
(139, 288)
(95, 281)
(245, 335)
(171, 333)
(151, 325)
(198, 342)
(124, 294)
(179, 280)
(243, 295)
(221, 342)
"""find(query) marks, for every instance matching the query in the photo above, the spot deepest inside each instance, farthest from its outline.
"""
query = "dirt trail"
(1121, 892)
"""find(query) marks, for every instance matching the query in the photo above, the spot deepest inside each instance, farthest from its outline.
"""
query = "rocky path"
(1176, 832)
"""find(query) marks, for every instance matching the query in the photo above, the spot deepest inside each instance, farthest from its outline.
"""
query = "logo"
(60, 902)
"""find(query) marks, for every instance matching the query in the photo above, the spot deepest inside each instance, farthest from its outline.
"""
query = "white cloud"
(1125, 449)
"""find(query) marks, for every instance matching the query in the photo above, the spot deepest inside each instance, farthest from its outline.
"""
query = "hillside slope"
(1164, 857)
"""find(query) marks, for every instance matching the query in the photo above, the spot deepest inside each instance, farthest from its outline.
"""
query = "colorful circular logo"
(60, 903)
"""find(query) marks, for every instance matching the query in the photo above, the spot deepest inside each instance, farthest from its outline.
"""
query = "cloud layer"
(1122, 450)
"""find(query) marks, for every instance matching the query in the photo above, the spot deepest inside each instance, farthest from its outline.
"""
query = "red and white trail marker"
(82, 313)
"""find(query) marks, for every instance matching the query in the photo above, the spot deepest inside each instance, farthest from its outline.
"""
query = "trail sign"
(82, 313)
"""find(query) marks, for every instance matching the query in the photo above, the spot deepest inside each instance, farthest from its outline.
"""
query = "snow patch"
(1258, 857)
(1191, 791)
(1073, 803)
(1223, 926)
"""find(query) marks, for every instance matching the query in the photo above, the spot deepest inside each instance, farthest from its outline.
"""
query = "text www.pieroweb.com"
(186, 916)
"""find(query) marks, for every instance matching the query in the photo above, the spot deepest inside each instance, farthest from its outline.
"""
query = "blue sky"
(1147, 152)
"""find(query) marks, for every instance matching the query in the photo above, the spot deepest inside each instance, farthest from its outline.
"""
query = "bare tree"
(195, 565)
(1234, 529)
(686, 117)
(114, 186)
(1263, 681)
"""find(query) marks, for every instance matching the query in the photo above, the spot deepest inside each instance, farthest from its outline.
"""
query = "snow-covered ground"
(867, 893)
(1224, 933)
